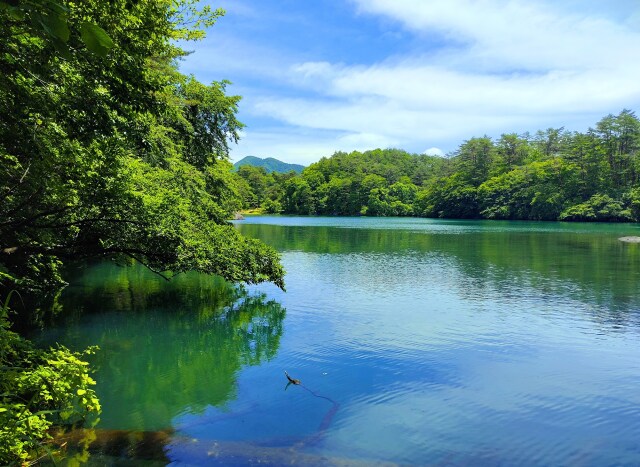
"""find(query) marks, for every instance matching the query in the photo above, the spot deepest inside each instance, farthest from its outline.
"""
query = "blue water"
(417, 342)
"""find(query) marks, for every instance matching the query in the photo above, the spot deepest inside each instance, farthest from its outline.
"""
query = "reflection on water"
(583, 260)
(431, 342)
(166, 349)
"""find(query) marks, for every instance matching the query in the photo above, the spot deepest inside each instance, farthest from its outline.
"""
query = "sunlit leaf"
(95, 38)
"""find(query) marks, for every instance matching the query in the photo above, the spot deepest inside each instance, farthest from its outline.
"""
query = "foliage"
(37, 389)
(449, 197)
(49, 20)
(117, 154)
(107, 151)
(599, 207)
(397, 200)
(537, 191)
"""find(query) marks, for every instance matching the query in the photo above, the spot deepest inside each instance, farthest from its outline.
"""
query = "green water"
(417, 342)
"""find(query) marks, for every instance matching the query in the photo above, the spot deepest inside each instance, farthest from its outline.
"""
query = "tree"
(536, 191)
(450, 197)
(550, 142)
(511, 151)
(256, 178)
(298, 197)
(107, 151)
(599, 207)
(117, 154)
(473, 159)
(619, 138)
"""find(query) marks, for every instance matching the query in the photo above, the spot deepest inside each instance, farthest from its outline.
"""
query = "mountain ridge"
(270, 164)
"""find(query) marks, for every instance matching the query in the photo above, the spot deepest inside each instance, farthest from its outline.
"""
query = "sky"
(320, 76)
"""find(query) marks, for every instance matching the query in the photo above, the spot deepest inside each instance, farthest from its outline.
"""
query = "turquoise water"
(417, 342)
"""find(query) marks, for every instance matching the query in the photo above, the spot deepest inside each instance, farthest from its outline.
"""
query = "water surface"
(417, 341)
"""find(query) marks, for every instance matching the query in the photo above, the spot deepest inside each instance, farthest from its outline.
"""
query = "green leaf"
(57, 7)
(62, 48)
(16, 14)
(54, 25)
(96, 39)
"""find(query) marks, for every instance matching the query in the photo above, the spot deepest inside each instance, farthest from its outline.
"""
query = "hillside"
(270, 164)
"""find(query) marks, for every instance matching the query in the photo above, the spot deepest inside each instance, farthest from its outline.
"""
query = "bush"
(39, 389)
(599, 208)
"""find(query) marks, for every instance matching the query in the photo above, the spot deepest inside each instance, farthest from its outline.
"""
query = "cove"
(428, 341)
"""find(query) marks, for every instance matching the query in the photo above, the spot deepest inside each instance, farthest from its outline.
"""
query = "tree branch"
(155, 271)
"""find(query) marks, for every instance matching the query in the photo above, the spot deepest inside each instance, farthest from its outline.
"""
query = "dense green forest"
(107, 151)
(550, 175)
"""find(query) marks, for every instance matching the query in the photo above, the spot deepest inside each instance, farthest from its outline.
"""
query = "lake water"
(417, 342)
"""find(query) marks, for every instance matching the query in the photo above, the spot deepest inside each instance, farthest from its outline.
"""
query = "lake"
(417, 342)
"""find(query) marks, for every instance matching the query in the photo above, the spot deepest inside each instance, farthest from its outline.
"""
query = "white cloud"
(497, 66)
(434, 152)
(531, 34)
(524, 65)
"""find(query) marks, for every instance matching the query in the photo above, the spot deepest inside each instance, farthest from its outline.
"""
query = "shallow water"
(417, 342)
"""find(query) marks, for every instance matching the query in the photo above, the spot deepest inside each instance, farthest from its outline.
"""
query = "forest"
(550, 175)
(107, 152)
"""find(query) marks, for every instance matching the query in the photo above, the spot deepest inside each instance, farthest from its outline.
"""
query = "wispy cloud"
(469, 67)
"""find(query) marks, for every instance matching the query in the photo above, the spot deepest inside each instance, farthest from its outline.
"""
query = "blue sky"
(318, 76)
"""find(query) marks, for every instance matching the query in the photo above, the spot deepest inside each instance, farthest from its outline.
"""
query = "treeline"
(550, 175)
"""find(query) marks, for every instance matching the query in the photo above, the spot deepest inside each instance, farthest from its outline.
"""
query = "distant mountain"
(270, 164)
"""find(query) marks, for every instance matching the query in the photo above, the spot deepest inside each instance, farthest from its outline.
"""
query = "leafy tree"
(632, 199)
(474, 158)
(537, 191)
(107, 151)
(37, 389)
(450, 197)
(117, 155)
(313, 177)
(271, 206)
(585, 152)
(298, 197)
(404, 191)
(511, 151)
(599, 207)
(619, 138)
(342, 197)
(256, 179)
(550, 142)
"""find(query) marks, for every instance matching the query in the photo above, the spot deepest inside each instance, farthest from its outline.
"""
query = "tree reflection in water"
(166, 348)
